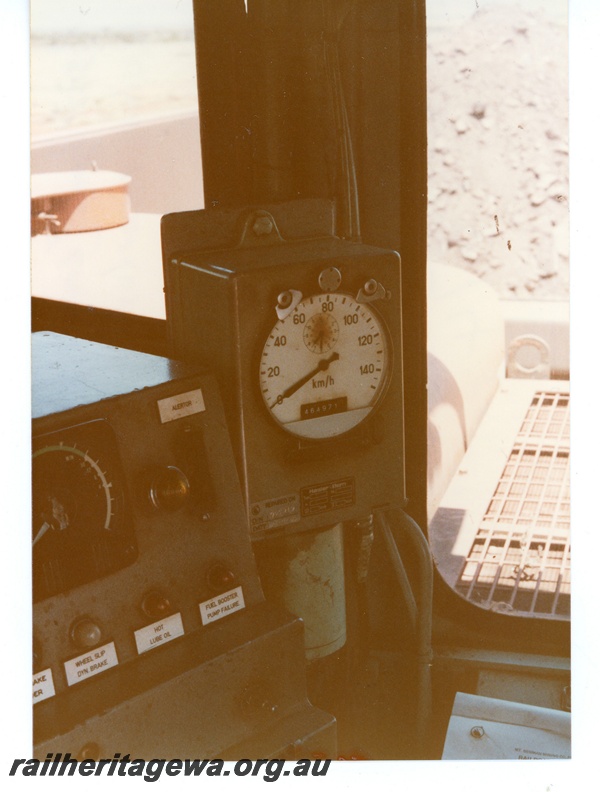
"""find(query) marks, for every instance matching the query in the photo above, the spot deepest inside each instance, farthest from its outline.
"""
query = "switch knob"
(169, 489)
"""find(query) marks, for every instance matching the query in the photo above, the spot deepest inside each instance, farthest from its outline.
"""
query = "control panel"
(151, 633)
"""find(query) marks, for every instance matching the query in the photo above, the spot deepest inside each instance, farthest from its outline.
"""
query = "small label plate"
(327, 497)
(43, 685)
(93, 662)
(222, 605)
(275, 512)
(181, 405)
(158, 633)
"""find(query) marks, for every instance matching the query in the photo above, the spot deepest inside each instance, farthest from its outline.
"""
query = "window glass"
(107, 61)
(498, 142)
(498, 274)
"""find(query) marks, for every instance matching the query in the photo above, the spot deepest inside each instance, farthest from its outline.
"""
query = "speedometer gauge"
(82, 526)
(325, 366)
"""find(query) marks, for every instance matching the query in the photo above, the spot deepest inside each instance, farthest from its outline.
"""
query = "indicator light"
(220, 578)
(156, 605)
(86, 633)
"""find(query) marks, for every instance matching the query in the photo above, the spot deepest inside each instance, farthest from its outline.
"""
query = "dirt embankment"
(498, 150)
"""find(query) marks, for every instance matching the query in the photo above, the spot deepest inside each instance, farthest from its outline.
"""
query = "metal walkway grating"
(520, 559)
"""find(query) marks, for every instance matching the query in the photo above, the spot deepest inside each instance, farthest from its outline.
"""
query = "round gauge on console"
(80, 528)
(325, 365)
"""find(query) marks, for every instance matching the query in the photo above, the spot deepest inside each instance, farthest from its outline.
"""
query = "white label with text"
(181, 406)
(43, 685)
(222, 605)
(159, 633)
(93, 662)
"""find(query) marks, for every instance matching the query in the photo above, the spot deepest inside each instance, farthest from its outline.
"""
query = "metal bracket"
(540, 369)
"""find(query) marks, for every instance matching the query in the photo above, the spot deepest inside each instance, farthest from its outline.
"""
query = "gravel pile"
(498, 150)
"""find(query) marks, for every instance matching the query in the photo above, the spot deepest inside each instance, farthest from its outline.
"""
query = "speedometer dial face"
(324, 366)
(81, 527)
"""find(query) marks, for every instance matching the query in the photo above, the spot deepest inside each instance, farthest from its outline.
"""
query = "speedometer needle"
(322, 365)
(45, 527)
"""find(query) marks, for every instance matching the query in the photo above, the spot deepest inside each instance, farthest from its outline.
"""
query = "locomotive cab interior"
(299, 491)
